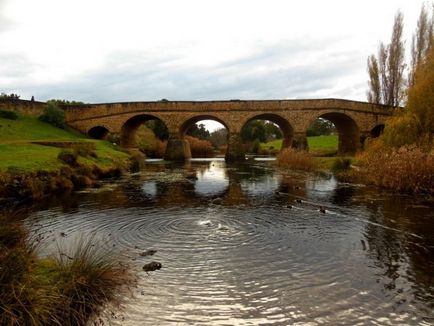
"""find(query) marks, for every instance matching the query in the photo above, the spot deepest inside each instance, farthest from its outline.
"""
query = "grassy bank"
(29, 169)
(318, 145)
(68, 288)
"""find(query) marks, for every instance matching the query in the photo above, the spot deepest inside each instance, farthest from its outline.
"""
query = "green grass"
(27, 129)
(17, 153)
(317, 144)
(29, 157)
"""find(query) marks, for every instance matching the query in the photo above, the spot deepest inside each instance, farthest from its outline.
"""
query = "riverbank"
(37, 159)
(69, 287)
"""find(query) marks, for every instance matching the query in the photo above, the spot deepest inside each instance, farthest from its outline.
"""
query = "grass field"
(317, 144)
(18, 153)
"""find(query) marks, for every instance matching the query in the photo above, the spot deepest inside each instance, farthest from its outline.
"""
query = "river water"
(247, 245)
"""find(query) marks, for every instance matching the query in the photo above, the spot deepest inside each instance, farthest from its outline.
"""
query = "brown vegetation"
(200, 148)
(408, 168)
(295, 159)
(66, 289)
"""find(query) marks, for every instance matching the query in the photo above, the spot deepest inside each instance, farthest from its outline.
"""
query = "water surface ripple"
(247, 245)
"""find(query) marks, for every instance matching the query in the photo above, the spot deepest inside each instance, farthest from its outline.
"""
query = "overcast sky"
(133, 50)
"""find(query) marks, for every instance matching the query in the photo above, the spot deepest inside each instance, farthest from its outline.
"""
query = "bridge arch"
(284, 125)
(347, 128)
(129, 128)
(98, 132)
(377, 130)
(192, 120)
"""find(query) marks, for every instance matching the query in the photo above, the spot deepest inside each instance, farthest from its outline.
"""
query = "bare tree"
(388, 86)
(421, 42)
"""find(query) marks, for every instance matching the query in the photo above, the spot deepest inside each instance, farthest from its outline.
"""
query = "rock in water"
(152, 266)
(149, 252)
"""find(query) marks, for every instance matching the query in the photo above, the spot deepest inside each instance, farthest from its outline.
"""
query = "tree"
(272, 131)
(421, 43)
(159, 128)
(198, 131)
(374, 92)
(253, 130)
(421, 94)
(321, 127)
(386, 72)
(219, 137)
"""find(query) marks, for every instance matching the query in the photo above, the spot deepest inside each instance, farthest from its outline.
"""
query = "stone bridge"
(354, 121)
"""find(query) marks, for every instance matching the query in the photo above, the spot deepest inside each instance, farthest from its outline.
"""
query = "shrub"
(341, 164)
(200, 148)
(85, 149)
(295, 159)
(53, 115)
(8, 115)
(401, 130)
(68, 156)
(407, 168)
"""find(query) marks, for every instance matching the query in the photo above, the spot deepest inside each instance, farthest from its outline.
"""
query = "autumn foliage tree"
(421, 95)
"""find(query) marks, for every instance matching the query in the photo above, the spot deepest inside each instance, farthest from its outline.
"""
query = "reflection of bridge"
(353, 120)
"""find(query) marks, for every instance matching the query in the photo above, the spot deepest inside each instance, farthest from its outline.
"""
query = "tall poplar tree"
(386, 71)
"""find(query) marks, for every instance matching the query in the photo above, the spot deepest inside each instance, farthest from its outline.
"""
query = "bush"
(85, 149)
(53, 115)
(295, 159)
(341, 164)
(401, 130)
(8, 115)
(407, 168)
(200, 148)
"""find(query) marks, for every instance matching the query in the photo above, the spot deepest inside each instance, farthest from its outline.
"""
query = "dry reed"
(295, 159)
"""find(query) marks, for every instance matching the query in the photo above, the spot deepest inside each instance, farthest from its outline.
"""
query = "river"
(247, 244)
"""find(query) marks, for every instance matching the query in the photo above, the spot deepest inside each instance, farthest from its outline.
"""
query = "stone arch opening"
(136, 133)
(377, 131)
(207, 136)
(276, 128)
(98, 132)
(322, 137)
(348, 132)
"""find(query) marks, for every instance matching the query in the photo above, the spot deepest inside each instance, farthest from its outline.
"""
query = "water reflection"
(247, 245)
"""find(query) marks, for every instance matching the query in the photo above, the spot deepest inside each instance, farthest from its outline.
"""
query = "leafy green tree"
(159, 128)
(11, 96)
(253, 130)
(198, 131)
(54, 115)
(321, 127)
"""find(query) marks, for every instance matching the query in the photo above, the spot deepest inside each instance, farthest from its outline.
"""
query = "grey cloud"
(135, 77)
(5, 23)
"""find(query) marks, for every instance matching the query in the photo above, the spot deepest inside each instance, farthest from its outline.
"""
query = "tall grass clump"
(200, 148)
(408, 168)
(69, 288)
(295, 159)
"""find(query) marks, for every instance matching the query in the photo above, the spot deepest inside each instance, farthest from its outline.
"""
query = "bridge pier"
(235, 151)
(177, 149)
